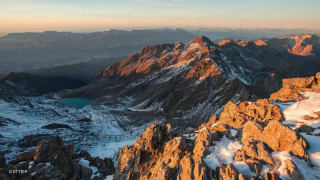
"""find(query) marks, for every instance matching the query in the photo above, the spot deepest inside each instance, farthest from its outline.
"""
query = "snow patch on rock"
(303, 167)
(223, 152)
(295, 111)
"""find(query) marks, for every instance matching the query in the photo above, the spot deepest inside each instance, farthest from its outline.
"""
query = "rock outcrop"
(262, 111)
(52, 159)
(271, 176)
(32, 140)
(56, 126)
(257, 150)
(277, 136)
(302, 44)
(292, 88)
(228, 171)
(157, 154)
(161, 154)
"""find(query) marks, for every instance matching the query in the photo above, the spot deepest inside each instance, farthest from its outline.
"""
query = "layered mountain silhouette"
(246, 34)
(30, 51)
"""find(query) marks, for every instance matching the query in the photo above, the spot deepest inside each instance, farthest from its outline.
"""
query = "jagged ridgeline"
(200, 110)
(183, 84)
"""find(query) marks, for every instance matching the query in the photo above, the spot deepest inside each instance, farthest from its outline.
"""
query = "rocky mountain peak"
(157, 57)
(305, 45)
(225, 42)
(260, 42)
(166, 78)
(301, 44)
(293, 87)
(201, 41)
(189, 80)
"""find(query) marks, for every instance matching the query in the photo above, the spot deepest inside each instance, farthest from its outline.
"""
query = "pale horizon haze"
(96, 15)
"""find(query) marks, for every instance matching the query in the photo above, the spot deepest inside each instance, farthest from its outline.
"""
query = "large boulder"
(277, 136)
(105, 166)
(56, 126)
(48, 149)
(292, 88)
(258, 150)
(202, 142)
(260, 111)
(153, 138)
(157, 154)
(25, 156)
(32, 140)
(54, 160)
(186, 170)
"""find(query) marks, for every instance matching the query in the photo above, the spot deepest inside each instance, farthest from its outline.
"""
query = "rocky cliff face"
(249, 140)
(292, 88)
(302, 44)
(161, 154)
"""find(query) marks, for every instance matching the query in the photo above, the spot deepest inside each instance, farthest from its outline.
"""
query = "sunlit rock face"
(302, 45)
(248, 140)
(293, 87)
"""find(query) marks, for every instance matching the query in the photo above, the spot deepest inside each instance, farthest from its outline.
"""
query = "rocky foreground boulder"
(277, 136)
(261, 111)
(52, 159)
(164, 154)
(292, 88)
(159, 154)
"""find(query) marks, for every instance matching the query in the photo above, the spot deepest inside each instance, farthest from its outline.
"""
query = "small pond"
(76, 102)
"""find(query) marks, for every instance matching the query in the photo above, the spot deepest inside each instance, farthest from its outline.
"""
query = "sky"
(96, 15)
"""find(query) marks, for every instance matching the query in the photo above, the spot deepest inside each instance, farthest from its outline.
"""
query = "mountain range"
(246, 34)
(185, 83)
(30, 51)
(36, 50)
(197, 109)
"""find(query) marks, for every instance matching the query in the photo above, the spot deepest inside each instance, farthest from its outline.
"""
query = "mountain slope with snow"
(184, 83)
(202, 103)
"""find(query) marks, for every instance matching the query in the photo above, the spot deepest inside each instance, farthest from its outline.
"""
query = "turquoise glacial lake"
(76, 102)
